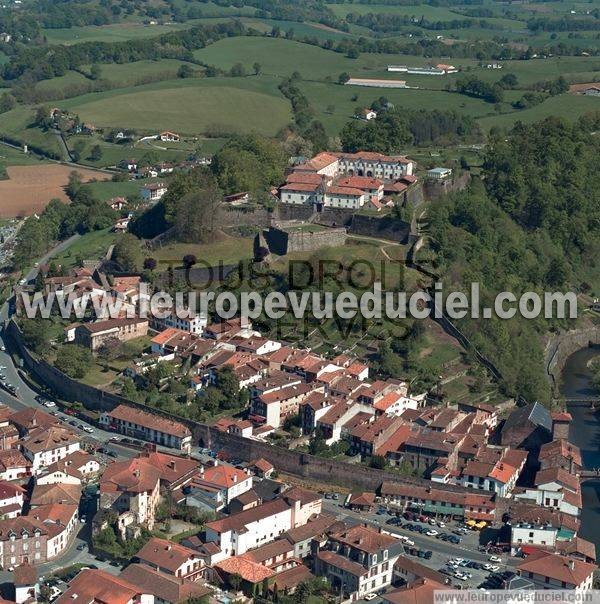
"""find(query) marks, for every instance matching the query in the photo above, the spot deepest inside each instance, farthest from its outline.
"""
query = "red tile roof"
(132, 475)
(223, 476)
(99, 587)
(149, 420)
(300, 186)
(166, 554)
(250, 571)
(557, 567)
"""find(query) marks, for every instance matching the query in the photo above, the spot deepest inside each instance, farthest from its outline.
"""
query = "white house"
(73, 469)
(558, 489)
(237, 533)
(367, 114)
(439, 173)
(300, 193)
(195, 323)
(153, 191)
(358, 561)
(59, 520)
(344, 197)
(11, 499)
(224, 482)
(47, 445)
(169, 137)
(524, 533)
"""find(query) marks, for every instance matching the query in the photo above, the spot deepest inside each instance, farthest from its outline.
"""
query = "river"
(585, 433)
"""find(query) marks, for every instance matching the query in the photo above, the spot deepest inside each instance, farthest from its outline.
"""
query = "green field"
(228, 250)
(90, 246)
(107, 189)
(570, 106)
(127, 74)
(277, 57)
(17, 124)
(344, 99)
(117, 32)
(13, 157)
(189, 106)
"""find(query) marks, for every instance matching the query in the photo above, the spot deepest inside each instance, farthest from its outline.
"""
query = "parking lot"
(452, 549)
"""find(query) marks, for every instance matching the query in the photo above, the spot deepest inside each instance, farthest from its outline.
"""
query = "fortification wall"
(435, 188)
(384, 227)
(280, 241)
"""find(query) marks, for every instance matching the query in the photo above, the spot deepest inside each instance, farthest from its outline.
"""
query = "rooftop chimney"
(572, 564)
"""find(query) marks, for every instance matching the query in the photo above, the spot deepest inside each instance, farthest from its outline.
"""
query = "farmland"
(28, 189)
(189, 106)
(149, 94)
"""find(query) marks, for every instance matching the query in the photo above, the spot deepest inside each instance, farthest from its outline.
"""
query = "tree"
(7, 102)
(378, 462)
(43, 117)
(189, 260)
(95, 72)
(237, 71)
(185, 71)
(110, 349)
(249, 163)
(343, 77)
(127, 253)
(77, 150)
(257, 68)
(235, 581)
(149, 264)
(73, 360)
(96, 153)
(509, 80)
(35, 333)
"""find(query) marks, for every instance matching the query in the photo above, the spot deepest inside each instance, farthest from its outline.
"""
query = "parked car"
(428, 554)
(494, 559)
(431, 533)
(370, 597)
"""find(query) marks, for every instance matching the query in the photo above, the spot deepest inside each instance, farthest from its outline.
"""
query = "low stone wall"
(562, 345)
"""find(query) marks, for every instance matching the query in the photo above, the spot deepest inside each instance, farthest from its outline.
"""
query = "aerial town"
(299, 301)
(138, 506)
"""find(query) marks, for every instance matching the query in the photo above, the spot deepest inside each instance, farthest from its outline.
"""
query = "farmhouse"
(153, 191)
(367, 114)
(169, 137)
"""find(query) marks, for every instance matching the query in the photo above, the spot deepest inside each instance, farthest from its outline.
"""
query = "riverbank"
(585, 433)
